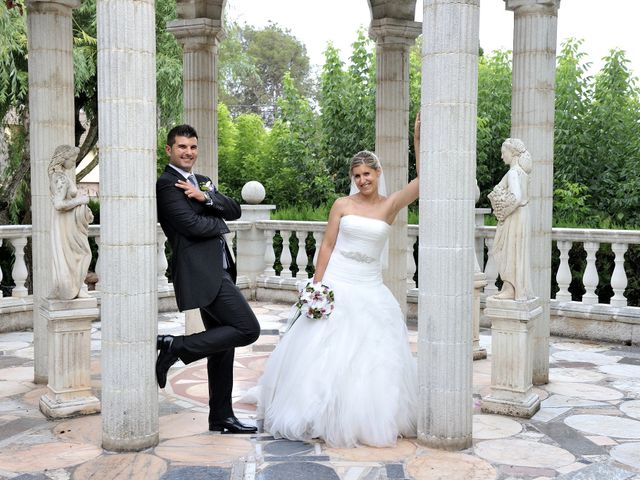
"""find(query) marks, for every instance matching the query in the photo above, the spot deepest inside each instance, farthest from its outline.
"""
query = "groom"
(192, 213)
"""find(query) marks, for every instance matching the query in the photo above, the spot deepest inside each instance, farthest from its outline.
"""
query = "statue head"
(64, 158)
(514, 148)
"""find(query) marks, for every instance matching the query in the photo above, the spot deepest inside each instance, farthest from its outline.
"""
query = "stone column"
(69, 388)
(129, 283)
(532, 120)
(199, 38)
(51, 123)
(393, 40)
(512, 324)
(447, 253)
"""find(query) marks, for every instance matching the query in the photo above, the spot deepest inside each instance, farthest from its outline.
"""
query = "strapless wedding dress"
(350, 379)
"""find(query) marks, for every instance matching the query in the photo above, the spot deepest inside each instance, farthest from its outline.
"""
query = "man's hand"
(190, 191)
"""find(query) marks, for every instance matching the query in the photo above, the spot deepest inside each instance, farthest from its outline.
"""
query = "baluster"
(411, 264)
(98, 267)
(229, 237)
(619, 276)
(269, 254)
(490, 270)
(19, 272)
(161, 259)
(301, 258)
(285, 257)
(1, 292)
(563, 277)
(317, 236)
(590, 278)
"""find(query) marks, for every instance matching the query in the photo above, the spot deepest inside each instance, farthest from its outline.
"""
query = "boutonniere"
(206, 186)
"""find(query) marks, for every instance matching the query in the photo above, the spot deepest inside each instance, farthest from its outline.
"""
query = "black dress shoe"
(166, 358)
(231, 425)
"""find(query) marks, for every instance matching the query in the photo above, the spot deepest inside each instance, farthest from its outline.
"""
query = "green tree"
(612, 165)
(494, 118)
(347, 102)
(253, 65)
(297, 176)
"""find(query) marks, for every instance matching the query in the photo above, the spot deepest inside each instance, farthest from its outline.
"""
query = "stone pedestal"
(69, 388)
(251, 244)
(479, 282)
(512, 326)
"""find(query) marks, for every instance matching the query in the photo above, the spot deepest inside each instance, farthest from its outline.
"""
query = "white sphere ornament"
(253, 192)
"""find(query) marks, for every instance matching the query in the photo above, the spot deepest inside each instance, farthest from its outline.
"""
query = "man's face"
(183, 153)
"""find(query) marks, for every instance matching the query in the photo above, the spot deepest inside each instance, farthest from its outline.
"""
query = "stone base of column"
(53, 405)
(69, 385)
(479, 282)
(449, 444)
(514, 405)
(512, 357)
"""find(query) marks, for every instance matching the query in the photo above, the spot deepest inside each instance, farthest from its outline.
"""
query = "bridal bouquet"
(316, 301)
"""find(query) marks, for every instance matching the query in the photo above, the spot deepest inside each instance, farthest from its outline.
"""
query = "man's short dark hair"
(180, 131)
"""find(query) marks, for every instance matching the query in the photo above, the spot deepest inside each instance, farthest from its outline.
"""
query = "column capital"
(391, 31)
(51, 5)
(197, 33)
(533, 6)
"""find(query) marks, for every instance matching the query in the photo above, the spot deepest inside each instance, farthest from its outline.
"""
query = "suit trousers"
(229, 322)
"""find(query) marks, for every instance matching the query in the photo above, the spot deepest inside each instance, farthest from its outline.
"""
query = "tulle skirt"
(350, 379)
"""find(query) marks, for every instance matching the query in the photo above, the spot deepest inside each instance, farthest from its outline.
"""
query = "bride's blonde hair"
(366, 158)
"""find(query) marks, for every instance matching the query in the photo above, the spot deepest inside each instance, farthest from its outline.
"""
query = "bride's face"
(366, 179)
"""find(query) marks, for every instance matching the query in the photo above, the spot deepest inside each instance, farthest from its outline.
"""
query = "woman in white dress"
(349, 379)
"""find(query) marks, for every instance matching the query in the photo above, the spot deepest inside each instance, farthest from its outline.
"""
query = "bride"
(350, 379)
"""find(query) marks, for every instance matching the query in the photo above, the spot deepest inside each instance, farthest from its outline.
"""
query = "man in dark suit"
(192, 213)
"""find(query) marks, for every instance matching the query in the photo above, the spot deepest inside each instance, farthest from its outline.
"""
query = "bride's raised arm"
(411, 191)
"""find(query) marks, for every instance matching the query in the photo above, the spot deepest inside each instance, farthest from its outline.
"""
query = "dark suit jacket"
(195, 233)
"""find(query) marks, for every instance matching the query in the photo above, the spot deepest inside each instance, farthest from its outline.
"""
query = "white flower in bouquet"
(316, 301)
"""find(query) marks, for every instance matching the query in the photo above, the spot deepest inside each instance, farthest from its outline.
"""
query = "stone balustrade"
(285, 265)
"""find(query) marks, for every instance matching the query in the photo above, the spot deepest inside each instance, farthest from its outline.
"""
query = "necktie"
(192, 180)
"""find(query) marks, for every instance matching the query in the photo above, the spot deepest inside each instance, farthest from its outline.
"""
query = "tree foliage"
(494, 118)
(254, 63)
(347, 102)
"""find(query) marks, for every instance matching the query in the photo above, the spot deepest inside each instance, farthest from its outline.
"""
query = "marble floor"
(588, 426)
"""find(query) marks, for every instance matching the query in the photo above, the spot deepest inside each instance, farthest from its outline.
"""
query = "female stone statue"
(69, 226)
(509, 200)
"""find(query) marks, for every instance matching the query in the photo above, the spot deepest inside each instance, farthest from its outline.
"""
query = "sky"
(602, 25)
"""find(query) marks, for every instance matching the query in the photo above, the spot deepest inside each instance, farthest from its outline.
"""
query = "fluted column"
(199, 38)
(129, 283)
(51, 118)
(447, 184)
(532, 120)
(393, 41)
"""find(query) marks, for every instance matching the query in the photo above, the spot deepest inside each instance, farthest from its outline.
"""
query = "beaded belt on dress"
(357, 256)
